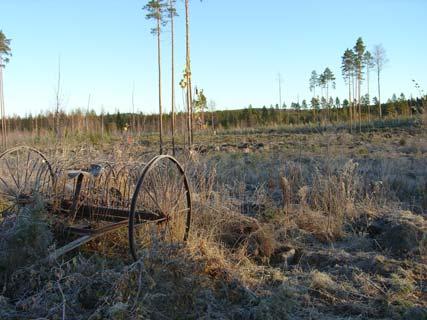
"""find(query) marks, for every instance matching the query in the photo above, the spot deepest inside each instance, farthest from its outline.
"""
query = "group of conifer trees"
(356, 66)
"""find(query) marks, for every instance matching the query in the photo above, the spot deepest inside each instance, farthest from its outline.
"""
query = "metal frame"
(116, 217)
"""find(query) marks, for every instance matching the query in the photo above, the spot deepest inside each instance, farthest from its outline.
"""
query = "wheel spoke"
(153, 199)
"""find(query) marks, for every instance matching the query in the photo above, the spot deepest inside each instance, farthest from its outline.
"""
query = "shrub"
(24, 238)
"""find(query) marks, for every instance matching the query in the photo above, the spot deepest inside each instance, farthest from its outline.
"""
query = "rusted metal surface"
(153, 200)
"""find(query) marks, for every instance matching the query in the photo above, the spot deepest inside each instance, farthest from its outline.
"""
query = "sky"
(238, 47)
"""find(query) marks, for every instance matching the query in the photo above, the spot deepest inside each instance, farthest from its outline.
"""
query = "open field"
(240, 160)
(286, 225)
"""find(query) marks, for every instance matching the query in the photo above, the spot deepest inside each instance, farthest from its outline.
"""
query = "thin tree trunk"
(87, 114)
(102, 123)
(369, 98)
(327, 102)
(133, 109)
(173, 78)
(359, 82)
(2, 110)
(354, 99)
(349, 105)
(379, 93)
(160, 87)
(191, 111)
(188, 74)
(58, 103)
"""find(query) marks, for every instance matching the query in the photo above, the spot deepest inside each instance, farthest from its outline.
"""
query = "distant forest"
(251, 117)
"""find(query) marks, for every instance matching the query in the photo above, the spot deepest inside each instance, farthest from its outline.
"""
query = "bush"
(24, 238)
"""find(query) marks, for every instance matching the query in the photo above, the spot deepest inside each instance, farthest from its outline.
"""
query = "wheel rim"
(24, 174)
(163, 192)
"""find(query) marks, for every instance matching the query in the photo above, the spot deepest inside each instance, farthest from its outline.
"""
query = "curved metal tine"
(10, 172)
(44, 179)
(18, 169)
(27, 167)
(35, 164)
(7, 195)
(129, 187)
(8, 188)
(134, 176)
(8, 210)
(91, 188)
(106, 181)
(125, 185)
(104, 186)
(40, 181)
(47, 180)
(97, 191)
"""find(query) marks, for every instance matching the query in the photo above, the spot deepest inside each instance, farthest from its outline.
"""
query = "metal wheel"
(25, 174)
(161, 206)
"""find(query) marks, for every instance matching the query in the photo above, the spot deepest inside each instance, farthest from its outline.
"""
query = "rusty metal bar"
(73, 208)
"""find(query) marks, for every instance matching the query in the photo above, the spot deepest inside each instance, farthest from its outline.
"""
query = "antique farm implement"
(152, 200)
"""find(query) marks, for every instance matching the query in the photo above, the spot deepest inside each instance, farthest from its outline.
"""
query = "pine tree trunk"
(173, 78)
(102, 125)
(349, 105)
(2, 110)
(160, 87)
(188, 73)
(327, 102)
(369, 98)
(58, 105)
(359, 82)
(379, 93)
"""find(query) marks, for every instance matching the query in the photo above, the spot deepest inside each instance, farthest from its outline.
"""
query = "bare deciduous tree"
(58, 99)
(380, 59)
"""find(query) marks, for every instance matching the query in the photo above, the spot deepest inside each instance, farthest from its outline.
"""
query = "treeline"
(79, 122)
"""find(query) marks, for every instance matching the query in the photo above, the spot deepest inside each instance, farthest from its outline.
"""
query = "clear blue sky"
(238, 48)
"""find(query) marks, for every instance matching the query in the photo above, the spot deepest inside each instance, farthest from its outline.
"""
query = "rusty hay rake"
(153, 199)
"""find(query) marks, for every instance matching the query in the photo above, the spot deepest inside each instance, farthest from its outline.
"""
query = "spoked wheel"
(25, 174)
(161, 206)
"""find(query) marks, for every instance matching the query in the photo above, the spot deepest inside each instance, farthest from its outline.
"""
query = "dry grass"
(274, 236)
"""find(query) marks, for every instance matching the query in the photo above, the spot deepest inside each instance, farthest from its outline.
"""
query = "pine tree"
(156, 10)
(347, 68)
(369, 64)
(329, 78)
(314, 82)
(359, 50)
(172, 14)
(5, 53)
(380, 59)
